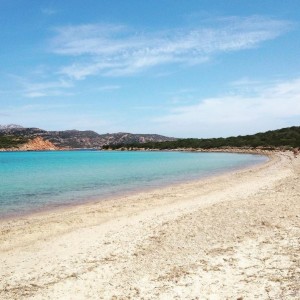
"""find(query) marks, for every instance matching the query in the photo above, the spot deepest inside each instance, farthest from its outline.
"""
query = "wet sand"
(232, 236)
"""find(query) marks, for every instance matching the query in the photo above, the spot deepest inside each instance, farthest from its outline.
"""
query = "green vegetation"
(286, 137)
(10, 141)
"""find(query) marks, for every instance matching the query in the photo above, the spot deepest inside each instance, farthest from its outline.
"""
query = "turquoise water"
(31, 181)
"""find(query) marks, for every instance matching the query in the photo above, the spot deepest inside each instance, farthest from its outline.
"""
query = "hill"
(16, 136)
(10, 126)
(285, 137)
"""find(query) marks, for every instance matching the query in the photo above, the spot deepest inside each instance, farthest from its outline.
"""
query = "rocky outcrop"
(36, 144)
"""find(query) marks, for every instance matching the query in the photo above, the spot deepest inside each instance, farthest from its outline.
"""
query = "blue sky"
(173, 67)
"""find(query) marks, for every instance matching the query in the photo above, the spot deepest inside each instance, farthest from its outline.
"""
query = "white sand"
(230, 237)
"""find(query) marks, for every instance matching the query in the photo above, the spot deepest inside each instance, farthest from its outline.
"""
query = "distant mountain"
(10, 126)
(12, 136)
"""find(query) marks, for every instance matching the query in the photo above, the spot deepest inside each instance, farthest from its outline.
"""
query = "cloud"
(273, 107)
(45, 89)
(48, 11)
(34, 94)
(117, 50)
(108, 88)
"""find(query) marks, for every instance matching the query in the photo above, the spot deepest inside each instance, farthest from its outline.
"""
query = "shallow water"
(31, 181)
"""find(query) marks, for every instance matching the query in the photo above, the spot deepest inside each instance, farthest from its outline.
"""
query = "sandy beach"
(233, 236)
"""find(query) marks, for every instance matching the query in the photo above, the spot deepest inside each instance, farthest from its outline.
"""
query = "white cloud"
(34, 94)
(80, 71)
(108, 88)
(45, 89)
(116, 50)
(48, 11)
(273, 107)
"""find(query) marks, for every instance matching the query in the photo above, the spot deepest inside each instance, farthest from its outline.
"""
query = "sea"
(37, 181)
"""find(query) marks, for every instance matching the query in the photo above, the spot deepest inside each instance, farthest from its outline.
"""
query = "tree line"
(285, 137)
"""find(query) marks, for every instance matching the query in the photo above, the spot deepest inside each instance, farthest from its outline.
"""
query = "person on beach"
(296, 152)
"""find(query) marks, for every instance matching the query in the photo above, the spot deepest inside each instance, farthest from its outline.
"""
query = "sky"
(197, 68)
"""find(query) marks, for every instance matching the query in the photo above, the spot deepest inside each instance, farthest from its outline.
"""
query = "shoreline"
(134, 191)
(199, 239)
(242, 150)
